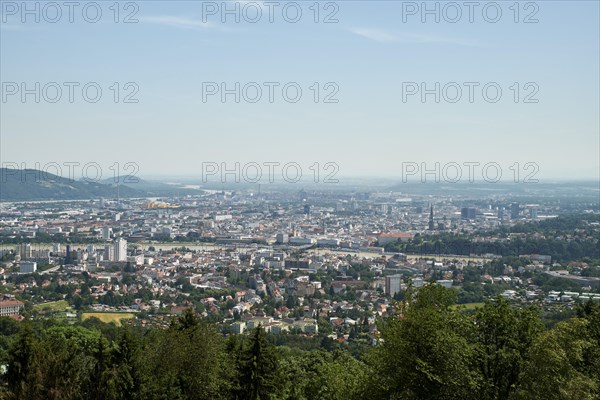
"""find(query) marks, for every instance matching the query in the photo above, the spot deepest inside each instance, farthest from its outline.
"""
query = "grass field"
(468, 306)
(53, 306)
(108, 317)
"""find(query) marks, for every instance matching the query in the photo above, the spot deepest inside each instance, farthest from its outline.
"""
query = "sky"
(369, 73)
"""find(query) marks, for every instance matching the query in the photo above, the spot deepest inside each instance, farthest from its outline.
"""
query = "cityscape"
(322, 253)
(325, 267)
(284, 200)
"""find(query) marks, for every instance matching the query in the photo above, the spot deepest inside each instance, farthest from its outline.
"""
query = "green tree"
(187, 360)
(339, 377)
(257, 368)
(504, 337)
(56, 365)
(22, 366)
(558, 365)
(118, 374)
(425, 352)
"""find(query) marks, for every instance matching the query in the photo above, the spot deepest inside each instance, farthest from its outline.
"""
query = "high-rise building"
(106, 232)
(121, 250)
(24, 250)
(282, 238)
(533, 213)
(468, 213)
(514, 211)
(68, 256)
(393, 284)
(109, 252)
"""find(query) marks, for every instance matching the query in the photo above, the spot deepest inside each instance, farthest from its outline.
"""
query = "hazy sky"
(369, 61)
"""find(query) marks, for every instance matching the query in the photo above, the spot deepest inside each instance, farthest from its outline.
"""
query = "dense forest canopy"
(430, 349)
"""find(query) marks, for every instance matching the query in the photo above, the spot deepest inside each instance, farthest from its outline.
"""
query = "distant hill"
(125, 180)
(153, 188)
(30, 184)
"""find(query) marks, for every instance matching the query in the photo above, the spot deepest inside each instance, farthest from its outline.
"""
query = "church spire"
(431, 218)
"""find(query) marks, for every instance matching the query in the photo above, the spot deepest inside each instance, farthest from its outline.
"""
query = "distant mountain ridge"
(31, 184)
